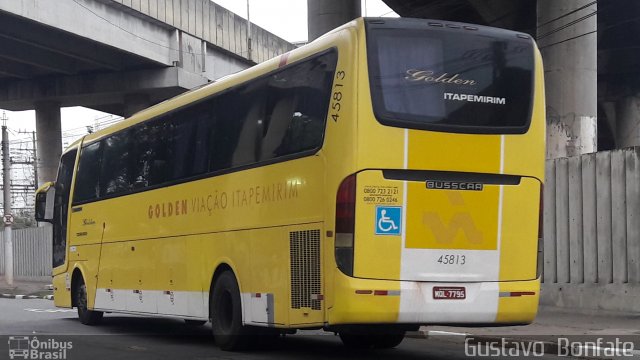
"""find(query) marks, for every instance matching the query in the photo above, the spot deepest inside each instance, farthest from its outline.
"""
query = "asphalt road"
(126, 337)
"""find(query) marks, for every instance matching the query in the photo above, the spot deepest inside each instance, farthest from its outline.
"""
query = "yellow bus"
(385, 176)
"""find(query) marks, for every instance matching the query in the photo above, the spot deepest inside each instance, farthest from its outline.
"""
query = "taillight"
(345, 224)
(540, 263)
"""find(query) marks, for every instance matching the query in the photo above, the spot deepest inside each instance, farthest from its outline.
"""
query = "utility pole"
(8, 218)
(248, 32)
(35, 161)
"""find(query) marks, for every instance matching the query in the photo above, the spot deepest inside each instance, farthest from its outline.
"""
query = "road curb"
(548, 347)
(25, 297)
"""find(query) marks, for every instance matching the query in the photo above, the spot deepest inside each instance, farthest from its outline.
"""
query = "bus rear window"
(451, 80)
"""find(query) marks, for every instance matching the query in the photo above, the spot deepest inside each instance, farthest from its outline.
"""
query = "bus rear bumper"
(365, 301)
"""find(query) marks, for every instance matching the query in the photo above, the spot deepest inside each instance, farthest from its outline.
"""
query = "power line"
(107, 122)
(569, 39)
(593, 32)
(572, 23)
(567, 14)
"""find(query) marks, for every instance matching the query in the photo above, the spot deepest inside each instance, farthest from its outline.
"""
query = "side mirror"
(45, 197)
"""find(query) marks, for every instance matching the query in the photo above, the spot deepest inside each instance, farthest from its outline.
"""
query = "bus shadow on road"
(173, 335)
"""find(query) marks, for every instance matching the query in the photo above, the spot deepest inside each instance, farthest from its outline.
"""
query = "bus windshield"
(454, 79)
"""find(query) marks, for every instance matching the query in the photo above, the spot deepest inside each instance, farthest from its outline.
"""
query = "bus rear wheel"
(371, 340)
(86, 316)
(226, 314)
(194, 323)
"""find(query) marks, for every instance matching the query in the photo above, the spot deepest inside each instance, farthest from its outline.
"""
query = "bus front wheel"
(226, 314)
(86, 316)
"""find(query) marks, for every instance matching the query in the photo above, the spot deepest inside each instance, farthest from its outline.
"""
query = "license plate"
(449, 293)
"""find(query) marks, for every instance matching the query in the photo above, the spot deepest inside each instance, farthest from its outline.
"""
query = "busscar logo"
(24, 347)
(451, 185)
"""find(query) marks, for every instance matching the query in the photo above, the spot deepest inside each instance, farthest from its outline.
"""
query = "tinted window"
(151, 162)
(61, 207)
(116, 165)
(87, 186)
(297, 107)
(277, 115)
(239, 115)
(180, 140)
(451, 80)
(204, 124)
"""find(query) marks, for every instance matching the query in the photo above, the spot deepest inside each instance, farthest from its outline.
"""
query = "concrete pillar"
(49, 140)
(134, 103)
(571, 76)
(326, 15)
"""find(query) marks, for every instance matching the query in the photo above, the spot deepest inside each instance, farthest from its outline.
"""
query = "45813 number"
(337, 96)
(452, 259)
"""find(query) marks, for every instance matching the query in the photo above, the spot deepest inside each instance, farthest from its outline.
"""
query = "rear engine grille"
(305, 269)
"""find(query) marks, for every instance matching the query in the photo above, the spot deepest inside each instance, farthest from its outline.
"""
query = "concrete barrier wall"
(592, 231)
(32, 253)
(213, 23)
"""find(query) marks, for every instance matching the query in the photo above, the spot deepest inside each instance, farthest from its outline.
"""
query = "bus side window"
(116, 164)
(201, 148)
(246, 149)
(276, 128)
(87, 186)
(150, 156)
(298, 97)
(239, 115)
(61, 207)
(188, 141)
(227, 127)
(180, 137)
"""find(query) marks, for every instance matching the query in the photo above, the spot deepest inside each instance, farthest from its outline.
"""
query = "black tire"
(356, 341)
(226, 314)
(86, 316)
(366, 340)
(194, 323)
(389, 341)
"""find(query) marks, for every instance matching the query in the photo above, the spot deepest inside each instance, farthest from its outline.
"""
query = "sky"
(264, 13)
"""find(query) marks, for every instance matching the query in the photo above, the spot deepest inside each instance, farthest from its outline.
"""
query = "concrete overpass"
(117, 56)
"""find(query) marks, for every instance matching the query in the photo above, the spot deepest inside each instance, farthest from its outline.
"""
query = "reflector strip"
(364, 292)
(386, 292)
(256, 295)
(317, 297)
(379, 292)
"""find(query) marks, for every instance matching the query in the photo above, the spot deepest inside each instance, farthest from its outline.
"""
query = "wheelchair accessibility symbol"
(388, 220)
